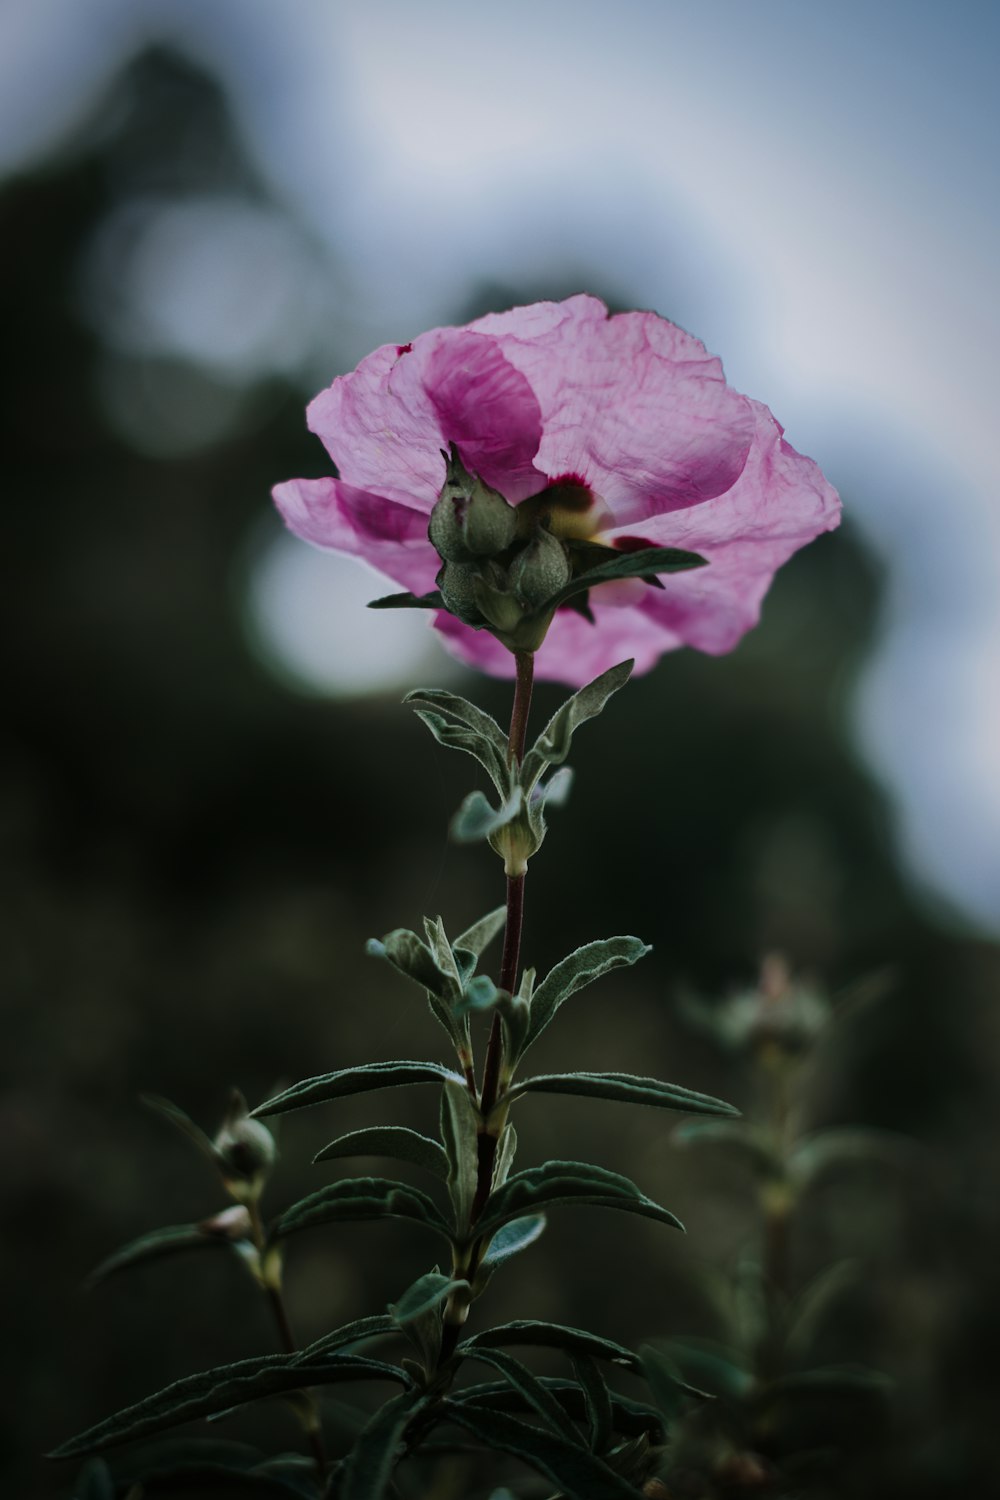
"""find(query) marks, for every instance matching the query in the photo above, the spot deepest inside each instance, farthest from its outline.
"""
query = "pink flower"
(625, 429)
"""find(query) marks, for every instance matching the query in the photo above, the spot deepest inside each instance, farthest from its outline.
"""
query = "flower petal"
(389, 536)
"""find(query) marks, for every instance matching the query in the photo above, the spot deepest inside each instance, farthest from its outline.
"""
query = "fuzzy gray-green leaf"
(512, 1238)
(395, 1141)
(476, 818)
(459, 1132)
(625, 1088)
(426, 1293)
(553, 744)
(476, 939)
(568, 1182)
(576, 970)
(360, 1080)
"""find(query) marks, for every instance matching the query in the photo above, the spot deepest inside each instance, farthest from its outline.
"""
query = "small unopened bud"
(470, 519)
(245, 1150)
(540, 569)
(458, 583)
(231, 1224)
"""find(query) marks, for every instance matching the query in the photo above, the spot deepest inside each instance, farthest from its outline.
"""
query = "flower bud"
(245, 1150)
(470, 519)
(540, 569)
(458, 584)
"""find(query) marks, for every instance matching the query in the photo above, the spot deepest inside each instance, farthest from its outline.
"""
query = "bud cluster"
(500, 563)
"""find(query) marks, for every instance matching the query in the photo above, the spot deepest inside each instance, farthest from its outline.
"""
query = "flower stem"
(310, 1411)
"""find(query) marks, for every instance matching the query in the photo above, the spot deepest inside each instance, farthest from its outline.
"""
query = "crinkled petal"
(385, 424)
(574, 651)
(390, 536)
(631, 404)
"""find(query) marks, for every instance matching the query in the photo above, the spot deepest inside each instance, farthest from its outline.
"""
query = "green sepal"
(368, 1468)
(220, 1389)
(395, 1141)
(577, 1473)
(355, 1199)
(405, 600)
(553, 744)
(541, 1335)
(511, 1239)
(152, 1246)
(625, 1088)
(576, 970)
(459, 1132)
(376, 1325)
(542, 1401)
(568, 1182)
(600, 1417)
(361, 1080)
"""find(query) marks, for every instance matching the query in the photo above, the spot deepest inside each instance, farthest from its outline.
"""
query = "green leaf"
(669, 1389)
(477, 938)
(553, 744)
(578, 1474)
(646, 563)
(219, 1389)
(349, 1333)
(480, 994)
(465, 712)
(368, 1468)
(506, 1150)
(459, 1132)
(512, 1238)
(543, 1335)
(749, 1142)
(476, 818)
(541, 1400)
(814, 1306)
(575, 971)
(152, 1246)
(444, 958)
(183, 1123)
(411, 956)
(326, 1086)
(848, 1146)
(432, 600)
(832, 1380)
(600, 1417)
(426, 1293)
(359, 1198)
(389, 1140)
(710, 1366)
(565, 1182)
(625, 1088)
(475, 732)
(631, 1417)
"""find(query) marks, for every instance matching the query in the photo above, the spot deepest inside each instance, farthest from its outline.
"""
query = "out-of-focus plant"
(548, 470)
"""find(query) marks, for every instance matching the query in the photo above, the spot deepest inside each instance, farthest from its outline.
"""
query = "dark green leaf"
(543, 1335)
(669, 1389)
(645, 563)
(350, 1333)
(849, 1146)
(426, 1293)
(355, 1199)
(751, 1143)
(564, 1182)
(541, 1400)
(579, 1475)
(369, 1465)
(218, 1390)
(710, 1367)
(476, 818)
(631, 1417)
(458, 737)
(459, 1131)
(389, 1140)
(432, 600)
(506, 1150)
(625, 1088)
(326, 1086)
(152, 1246)
(477, 938)
(411, 956)
(512, 1239)
(600, 1418)
(474, 732)
(575, 971)
(553, 744)
(465, 712)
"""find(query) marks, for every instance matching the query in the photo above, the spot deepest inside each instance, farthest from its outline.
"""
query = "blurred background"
(210, 793)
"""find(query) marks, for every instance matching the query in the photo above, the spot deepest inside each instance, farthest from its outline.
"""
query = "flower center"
(569, 508)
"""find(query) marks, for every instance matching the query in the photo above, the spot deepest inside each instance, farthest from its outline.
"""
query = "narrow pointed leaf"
(326, 1086)
(553, 744)
(356, 1199)
(477, 938)
(624, 1088)
(542, 1335)
(567, 1182)
(389, 1140)
(458, 737)
(459, 1132)
(578, 1474)
(219, 1389)
(506, 1150)
(648, 562)
(576, 970)
(443, 956)
(369, 1465)
(600, 1418)
(432, 600)
(541, 1400)
(465, 712)
(350, 1333)
(159, 1242)
(426, 1293)
(512, 1238)
(632, 1418)
(183, 1123)
(412, 957)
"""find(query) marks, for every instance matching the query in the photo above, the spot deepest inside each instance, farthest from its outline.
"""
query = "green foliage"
(541, 1400)
(565, 1182)
(220, 1389)
(360, 1080)
(597, 1397)
(153, 1246)
(750, 1143)
(395, 1141)
(578, 1474)
(476, 820)
(459, 1131)
(368, 1468)
(542, 1335)
(355, 1332)
(576, 971)
(633, 1418)
(511, 1238)
(359, 1198)
(426, 1294)
(625, 1088)
(553, 744)
(406, 600)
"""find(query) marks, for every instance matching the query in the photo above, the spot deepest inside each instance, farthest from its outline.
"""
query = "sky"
(811, 188)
